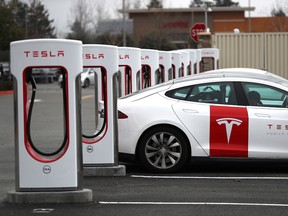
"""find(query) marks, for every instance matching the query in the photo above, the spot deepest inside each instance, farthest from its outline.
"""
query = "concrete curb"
(8, 92)
(78, 196)
(119, 170)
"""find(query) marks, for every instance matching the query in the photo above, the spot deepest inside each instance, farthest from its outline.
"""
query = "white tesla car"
(227, 113)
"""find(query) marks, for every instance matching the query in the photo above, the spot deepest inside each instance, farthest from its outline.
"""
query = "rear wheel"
(163, 150)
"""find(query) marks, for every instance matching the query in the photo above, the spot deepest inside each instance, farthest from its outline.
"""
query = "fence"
(268, 51)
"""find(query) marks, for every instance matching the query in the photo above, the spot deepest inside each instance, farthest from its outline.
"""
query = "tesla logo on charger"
(89, 149)
(46, 169)
(144, 57)
(93, 56)
(229, 123)
(44, 54)
(207, 54)
(126, 56)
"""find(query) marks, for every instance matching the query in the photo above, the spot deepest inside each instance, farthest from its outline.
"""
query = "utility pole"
(249, 16)
(124, 22)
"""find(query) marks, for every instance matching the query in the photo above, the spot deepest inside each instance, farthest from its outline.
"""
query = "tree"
(196, 3)
(155, 4)
(83, 19)
(226, 3)
(9, 30)
(116, 40)
(155, 41)
(38, 24)
(279, 18)
(84, 26)
(19, 20)
(218, 3)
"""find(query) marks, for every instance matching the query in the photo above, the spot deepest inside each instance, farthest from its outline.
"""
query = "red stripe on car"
(228, 131)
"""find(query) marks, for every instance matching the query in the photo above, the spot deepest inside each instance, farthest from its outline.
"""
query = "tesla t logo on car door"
(229, 122)
(228, 131)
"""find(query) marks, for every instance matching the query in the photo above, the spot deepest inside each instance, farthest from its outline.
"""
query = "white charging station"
(192, 61)
(150, 67)
(207, 53)
(100, 149)
(35, 170)
(176, 63)
(130, 69)
(185, 63)
(165, 65)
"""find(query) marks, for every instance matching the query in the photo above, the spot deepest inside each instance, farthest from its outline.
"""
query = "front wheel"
(163, 150)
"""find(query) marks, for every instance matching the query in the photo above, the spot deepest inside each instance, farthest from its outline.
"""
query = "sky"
(61, 11)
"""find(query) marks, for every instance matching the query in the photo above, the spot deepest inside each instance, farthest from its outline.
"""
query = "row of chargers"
(117, 71)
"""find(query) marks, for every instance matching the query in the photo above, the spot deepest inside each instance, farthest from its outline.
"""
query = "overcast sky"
(61, 10)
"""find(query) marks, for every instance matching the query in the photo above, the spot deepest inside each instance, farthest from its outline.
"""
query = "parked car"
(5, 71)
(208, 115)
(43, 75)
(87, 78)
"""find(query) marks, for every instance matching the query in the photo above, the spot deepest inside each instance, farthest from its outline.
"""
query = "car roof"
(227, 72)
(236, 73)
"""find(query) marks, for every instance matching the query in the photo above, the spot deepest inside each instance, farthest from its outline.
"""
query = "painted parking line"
(87, 97)
(195, 203)
(212, 177)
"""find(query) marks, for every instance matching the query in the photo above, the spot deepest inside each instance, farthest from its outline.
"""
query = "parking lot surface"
(202, 188)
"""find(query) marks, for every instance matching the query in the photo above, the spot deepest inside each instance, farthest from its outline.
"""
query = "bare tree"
(279, 19)
(85, 19)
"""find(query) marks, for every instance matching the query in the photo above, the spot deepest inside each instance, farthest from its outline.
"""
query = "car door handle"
(190, 111)
(262, 115)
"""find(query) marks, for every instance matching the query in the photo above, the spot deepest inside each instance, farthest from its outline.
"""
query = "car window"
(217, 93)
(264, 95)
(180, 93)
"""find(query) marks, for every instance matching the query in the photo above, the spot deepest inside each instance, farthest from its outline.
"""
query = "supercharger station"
(165, 65)
(43, 176)
(150, 68)
(176, 64)
(185, 63)
(130, 70)
(193, 60)
(100, 147)
(207, 56)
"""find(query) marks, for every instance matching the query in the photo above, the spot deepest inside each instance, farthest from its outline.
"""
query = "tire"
(163, 150)
(86, 83)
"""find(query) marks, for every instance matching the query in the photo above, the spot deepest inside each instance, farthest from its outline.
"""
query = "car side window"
(180, 93)
(264, 95)
(216, 93)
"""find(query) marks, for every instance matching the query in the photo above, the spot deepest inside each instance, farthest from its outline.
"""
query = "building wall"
(227, 22)
(178, 24)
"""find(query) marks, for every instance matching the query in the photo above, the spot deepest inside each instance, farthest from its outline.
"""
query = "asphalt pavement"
(201, 188)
